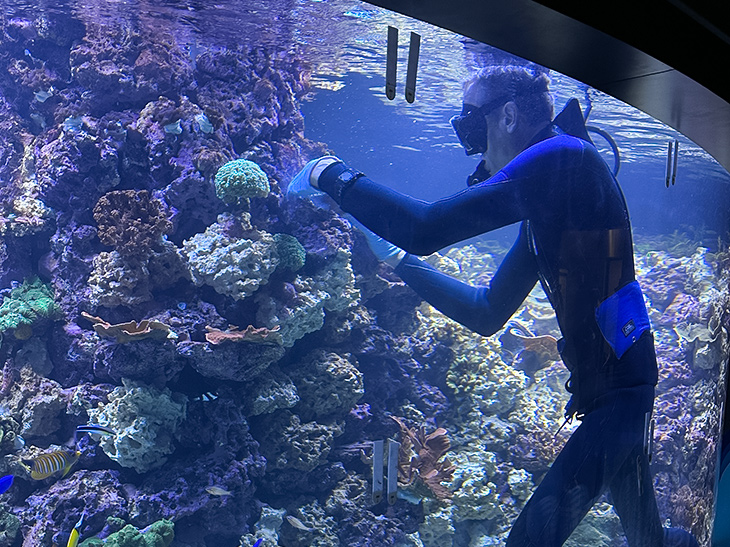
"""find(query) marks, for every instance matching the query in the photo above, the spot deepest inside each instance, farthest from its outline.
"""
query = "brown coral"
(130, 331)
(249, 334)
(131, 222)
(420, 456)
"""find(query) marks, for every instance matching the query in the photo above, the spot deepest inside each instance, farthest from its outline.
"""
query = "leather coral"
(422, 456)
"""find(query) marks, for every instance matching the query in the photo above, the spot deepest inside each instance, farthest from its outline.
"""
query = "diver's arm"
(519, 191)
(482, 309)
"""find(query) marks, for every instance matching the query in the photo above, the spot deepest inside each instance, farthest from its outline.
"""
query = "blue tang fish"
(5, 483)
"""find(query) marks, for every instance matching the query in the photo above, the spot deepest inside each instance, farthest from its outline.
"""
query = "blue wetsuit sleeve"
(482, 309)
(516, 193)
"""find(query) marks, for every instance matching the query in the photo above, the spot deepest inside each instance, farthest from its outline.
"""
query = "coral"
(240, 179)
(292, 255)
(420, 457)
(308, 297)
(9, 527)
(239, 362)
(38, 403)
(476, 497)
(328, 385)
(287, 442)
(234, 267)
(350, 503)
(271, 391)
(145, 421)
(9, 432)
(116, 281)
(27, 304)
(297, 316)
(131, 222)
(130, 331)
(437, 529)
(267, 527)
(158, 534)
(249, 334)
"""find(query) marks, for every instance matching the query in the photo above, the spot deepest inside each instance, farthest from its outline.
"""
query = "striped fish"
(45, 465)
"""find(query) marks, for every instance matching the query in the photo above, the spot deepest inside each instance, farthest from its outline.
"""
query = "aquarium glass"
(192, 357)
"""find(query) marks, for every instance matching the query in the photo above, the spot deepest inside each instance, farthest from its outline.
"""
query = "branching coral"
(420, 457)
(131, 222)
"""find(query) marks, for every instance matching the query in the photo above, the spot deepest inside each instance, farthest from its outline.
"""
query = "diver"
(575, 238)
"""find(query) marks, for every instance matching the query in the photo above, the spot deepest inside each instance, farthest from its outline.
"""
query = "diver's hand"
(382, 249)
(304, 184)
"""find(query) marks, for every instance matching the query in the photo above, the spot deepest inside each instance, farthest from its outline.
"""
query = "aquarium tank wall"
(195, 354)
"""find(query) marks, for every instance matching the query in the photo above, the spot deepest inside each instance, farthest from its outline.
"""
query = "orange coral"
(249, 334)
(130, 331)
(420, 456)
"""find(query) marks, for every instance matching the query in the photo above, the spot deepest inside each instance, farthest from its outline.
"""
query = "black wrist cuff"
(337, 179)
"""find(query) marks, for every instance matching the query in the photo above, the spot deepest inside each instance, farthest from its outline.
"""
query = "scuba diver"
(575, 238)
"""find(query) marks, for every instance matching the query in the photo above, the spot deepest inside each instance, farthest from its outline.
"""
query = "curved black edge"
(661, 57)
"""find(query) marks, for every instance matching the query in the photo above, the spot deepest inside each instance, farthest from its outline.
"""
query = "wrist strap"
(337, 187)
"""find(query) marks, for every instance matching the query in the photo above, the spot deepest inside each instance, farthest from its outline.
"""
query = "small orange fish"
(45, 465)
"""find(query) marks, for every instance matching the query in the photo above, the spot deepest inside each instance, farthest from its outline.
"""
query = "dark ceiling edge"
(614, 58)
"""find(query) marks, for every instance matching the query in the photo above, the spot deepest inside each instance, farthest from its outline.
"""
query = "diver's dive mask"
(471, 125)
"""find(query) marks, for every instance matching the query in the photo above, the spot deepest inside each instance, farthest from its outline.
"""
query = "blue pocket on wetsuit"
(622, 318)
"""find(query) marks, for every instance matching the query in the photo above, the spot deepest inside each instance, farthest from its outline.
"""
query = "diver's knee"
(676, 537)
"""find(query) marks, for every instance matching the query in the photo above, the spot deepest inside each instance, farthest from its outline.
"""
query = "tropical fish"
(5, 483)
(73, 539)
(217, 491)
(46, 465)
(95, 428)
(298, 524)
(206, 397)
(258, 542)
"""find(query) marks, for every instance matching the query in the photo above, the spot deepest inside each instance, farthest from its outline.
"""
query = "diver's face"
(473, 126)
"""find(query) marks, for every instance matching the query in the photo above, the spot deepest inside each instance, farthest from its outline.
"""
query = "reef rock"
(145, 421)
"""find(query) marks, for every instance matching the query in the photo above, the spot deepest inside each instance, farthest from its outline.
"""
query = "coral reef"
(233, 266)
(145, 422)
(142, 172)
(158, 534)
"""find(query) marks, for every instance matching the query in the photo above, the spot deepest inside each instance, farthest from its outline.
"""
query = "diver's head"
(504, 106)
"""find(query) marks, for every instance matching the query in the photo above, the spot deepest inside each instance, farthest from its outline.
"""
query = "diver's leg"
(632, 491)
(569, 489)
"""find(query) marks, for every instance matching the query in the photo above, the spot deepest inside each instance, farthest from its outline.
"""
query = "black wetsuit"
(575, 238)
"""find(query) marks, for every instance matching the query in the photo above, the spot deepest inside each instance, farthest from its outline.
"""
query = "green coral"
(26, 304)
(158, 534)
(291, 253)
(240, 179)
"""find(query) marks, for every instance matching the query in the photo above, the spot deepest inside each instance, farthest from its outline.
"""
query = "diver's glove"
(304, 184)
(382, 249)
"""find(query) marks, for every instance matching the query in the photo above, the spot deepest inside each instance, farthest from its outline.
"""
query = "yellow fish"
(217, 491)
(73, 539)
(46, 465)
